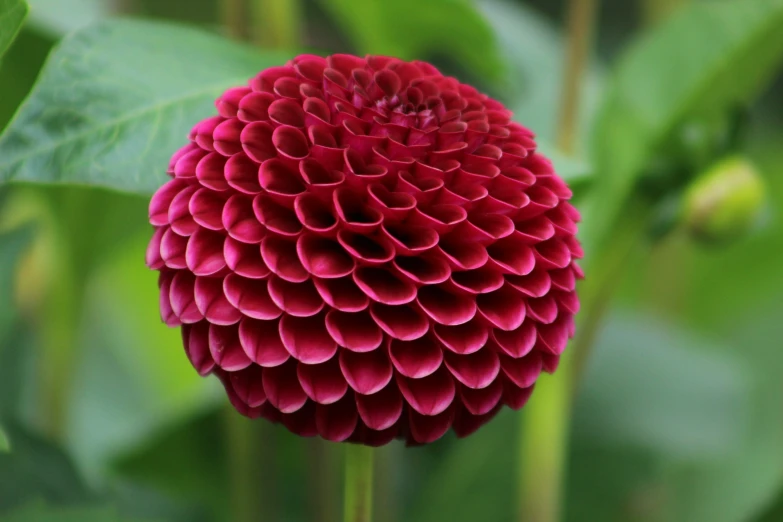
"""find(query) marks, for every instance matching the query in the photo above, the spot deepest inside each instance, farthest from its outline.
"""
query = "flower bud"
(725, 202)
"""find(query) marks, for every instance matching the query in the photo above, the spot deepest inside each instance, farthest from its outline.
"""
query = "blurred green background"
(679, 416)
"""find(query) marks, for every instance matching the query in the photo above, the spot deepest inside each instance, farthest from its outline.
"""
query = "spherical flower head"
(365, 249)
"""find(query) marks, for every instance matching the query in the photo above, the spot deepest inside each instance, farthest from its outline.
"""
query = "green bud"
(725, 202)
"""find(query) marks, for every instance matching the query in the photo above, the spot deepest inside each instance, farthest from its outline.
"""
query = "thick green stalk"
(545, 420)
(358, 483)
(242, 459)
(232, 16)
(276, 23)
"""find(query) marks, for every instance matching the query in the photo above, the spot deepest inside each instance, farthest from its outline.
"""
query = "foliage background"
(679, 416)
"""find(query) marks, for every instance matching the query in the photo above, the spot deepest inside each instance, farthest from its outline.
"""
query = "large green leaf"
(39, 512)
(710, 57)
(114, 101)
(132, 376)
(12, 15)
(451, 29)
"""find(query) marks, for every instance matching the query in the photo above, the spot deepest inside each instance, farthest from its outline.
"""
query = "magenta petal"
(251, 297)
(367, 249)
(336, 422)
(275, 217)
(512, 256)
(536, 284)
(296, 299)
(400, 322)
(367, 373)
(410, 240)
(342, 294)
(183, 298)
(240, 221)
(476, 370)
(166, 311)
(244, 259)
(444, 307)
(563, 279)
(504, 308)
(290, 142)
(380, 410)
(416, 359)
(522, 372)
(302, 421)
(279, 181)
(315, 215)
(282, 259)
(324, 383)
(282, 387)
(568, 301)
(212, 302)
(225, 348)
(555, 336)
(180, 218)
(196, 341)
(354, 331)
(323, 257)
(242, 174)
(152, 257)
(261, 342)
(206, 207)
(462, 255)
(306, 339)
(248, 385)
(204, 253)
(543, 310)
(515, 397)
(256, 139)
(430, 395)
(480, 281)
(161, 201)
(552, 254)
(383, 286)
(516, 343)
(210, 171)
(429, 428)
(172, 249)
(227, 137)
(424, 269)
(462, 339)
(480, 401)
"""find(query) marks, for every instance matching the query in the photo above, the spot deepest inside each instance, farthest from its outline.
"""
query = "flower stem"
(233, 16)
(276, 23)
(240, 435)
(581, 17)
(358, 483)
(544, 445)
(545, 420)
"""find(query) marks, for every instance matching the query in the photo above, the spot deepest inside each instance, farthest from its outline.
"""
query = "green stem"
(276, 23)
(358, 483)
(544, 445)
(241, 466)
(581, 20)
(232, 16)
(545, 420)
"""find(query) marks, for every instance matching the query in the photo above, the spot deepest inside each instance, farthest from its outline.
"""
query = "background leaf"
(12, 15)
(114, 101)
(449, 29)
(39, 512)
(671, 75)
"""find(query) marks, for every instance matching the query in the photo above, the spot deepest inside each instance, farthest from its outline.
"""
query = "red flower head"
(365, 249)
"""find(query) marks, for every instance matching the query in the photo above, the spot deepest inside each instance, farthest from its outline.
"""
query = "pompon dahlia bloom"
(364, 249)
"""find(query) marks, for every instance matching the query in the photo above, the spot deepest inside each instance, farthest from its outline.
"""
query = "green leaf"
(404, 28)
(133, 378)
(39, 512)
(707, 59)
(12, 15)
(5, 444)
(36, 469)
(114, 101)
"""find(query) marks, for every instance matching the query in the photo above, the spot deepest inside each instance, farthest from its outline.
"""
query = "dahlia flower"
(365, 249)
